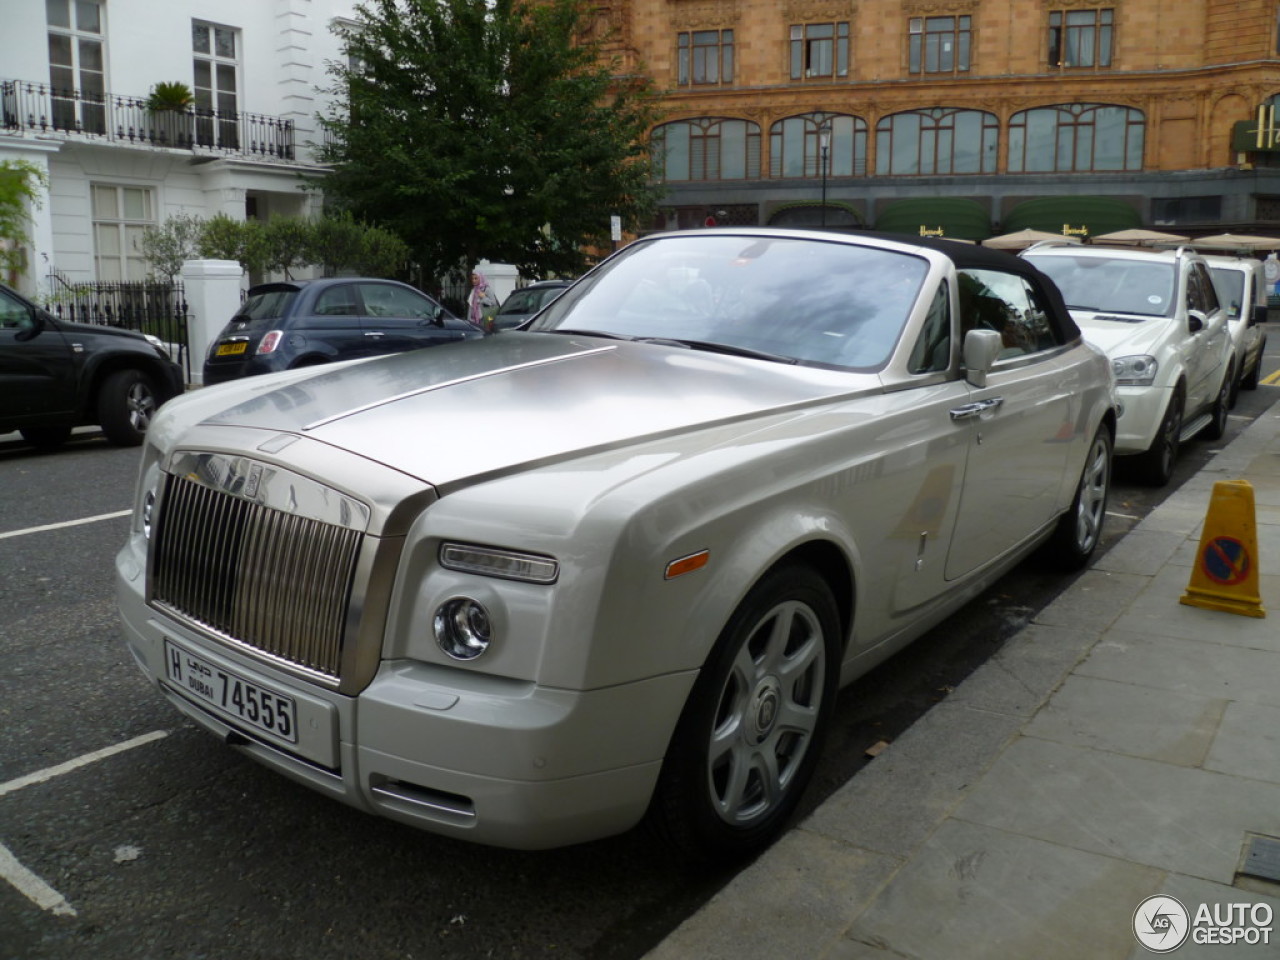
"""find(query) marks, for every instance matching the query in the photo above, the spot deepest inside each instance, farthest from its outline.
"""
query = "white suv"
(1242, 290)
(1156, 315)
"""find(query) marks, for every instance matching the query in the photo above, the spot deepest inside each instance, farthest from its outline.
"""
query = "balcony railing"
(40, 108)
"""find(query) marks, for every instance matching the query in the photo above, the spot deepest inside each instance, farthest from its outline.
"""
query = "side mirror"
(1196, 320)
(1259, 315)
(981, 347)
(30, 328)
(437, 315)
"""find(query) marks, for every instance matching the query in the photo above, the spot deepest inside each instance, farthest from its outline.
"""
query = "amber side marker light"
(695, 561)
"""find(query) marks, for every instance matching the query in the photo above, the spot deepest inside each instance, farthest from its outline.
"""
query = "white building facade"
(74, 80)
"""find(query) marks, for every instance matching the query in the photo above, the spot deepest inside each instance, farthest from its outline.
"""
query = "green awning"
(956, 217)
(1077, 216)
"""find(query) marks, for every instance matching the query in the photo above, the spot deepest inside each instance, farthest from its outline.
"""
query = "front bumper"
(493, 761)
(1141, 411)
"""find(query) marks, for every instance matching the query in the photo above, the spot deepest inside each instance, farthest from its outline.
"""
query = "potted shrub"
(172, 120)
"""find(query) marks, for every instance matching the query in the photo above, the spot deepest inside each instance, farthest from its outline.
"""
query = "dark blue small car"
(301, 323)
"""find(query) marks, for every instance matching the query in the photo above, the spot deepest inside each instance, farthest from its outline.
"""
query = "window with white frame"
(215, 63)
(120, 214)
(76, 68)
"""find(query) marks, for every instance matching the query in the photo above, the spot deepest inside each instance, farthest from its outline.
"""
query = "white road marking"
(18, 876)
(32, 887)
(68, 523)
(48, 773)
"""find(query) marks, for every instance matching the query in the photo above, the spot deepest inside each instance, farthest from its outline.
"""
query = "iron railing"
(151, 307)
(44, 109)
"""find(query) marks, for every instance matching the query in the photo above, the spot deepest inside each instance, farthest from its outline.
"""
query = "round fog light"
(463, 628)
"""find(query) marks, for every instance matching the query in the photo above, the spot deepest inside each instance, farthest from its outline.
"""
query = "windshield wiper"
(712, 347)
(589, 333)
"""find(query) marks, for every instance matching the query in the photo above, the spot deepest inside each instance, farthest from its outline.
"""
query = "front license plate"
(249, 703)
(230, 349)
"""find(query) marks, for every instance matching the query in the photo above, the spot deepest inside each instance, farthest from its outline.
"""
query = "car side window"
(387, 300)
(13, 313)
(1201, 294)
(1006, 303)
(337, 301)
(932, 351)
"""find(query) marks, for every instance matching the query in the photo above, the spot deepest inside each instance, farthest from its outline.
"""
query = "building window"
(76, 65)
(819, 51)
(1080, 38)
(215, 66)
(939, 44)
(1171, 211)
(1076, 138)
(938, 141)
(705, 57)
(709, 148)
(120, 214)
(795, 146)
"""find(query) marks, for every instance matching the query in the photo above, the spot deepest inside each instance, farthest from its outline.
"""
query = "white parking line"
(68, 523)
(48, 773)
(22, 879)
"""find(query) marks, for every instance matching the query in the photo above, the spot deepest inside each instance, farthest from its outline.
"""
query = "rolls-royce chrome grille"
(253, 573)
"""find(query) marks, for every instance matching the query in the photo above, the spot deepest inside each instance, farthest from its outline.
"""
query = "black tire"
(127, 401)
(752, 729)
(1221, 408)
(1155, 465)
(1079, 530)
(45, 438)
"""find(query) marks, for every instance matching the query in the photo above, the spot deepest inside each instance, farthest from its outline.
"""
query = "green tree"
(166, 247)
(20, 183)
(488, 128)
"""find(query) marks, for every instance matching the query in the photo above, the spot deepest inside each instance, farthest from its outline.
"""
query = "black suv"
(300, 323)
(55, 375)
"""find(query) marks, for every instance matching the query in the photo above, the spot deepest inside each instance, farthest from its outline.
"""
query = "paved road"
(174, 847)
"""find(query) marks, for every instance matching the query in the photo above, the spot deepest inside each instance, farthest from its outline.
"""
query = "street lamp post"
(824, 141)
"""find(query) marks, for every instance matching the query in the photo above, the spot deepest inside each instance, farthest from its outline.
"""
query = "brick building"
(964, 116)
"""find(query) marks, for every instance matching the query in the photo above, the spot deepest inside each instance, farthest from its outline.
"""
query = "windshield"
(824, 303)
(1099, 284)
(1230, 284)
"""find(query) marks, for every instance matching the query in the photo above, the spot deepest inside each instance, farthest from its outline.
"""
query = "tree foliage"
(166, 247)
(488, 128)
(20, 183)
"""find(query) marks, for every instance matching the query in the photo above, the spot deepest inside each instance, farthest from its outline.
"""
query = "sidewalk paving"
(1121, 746)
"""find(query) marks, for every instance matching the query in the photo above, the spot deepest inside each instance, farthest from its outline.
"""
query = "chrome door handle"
(976, 409)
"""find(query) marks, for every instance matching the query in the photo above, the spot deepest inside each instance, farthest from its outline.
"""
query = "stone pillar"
(213, 297)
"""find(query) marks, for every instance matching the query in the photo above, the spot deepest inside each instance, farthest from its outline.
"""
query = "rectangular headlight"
(493, 562)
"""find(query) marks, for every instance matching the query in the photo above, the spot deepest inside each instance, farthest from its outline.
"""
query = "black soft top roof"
(972, 256)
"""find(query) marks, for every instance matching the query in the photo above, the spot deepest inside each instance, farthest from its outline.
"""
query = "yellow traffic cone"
(1225, 576)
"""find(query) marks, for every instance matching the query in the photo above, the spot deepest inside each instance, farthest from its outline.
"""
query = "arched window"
(708, 148)
(941, 140)
(795, 146)
(1076, 138)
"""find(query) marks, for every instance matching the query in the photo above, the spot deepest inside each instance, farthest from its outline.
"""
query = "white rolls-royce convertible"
(613, 566)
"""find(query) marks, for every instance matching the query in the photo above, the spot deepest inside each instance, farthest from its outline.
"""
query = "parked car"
(1156, 314)
(302, 323)
(525, 302)
(537, 589)
(1242, 290)
(56, 375)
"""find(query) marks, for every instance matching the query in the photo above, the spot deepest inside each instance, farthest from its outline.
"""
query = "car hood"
(485, 407)
(1121, 334)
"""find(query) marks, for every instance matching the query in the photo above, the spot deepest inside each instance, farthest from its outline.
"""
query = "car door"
(332, 326)
(1022, 423)
(398, 318)
(37, 366)
(1206, 349)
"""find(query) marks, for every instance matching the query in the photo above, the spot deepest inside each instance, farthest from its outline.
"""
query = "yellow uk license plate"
(231, 349)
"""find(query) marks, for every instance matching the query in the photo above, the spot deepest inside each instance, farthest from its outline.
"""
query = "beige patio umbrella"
(1139, 237)
(1238, 241)
(1021, 239)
